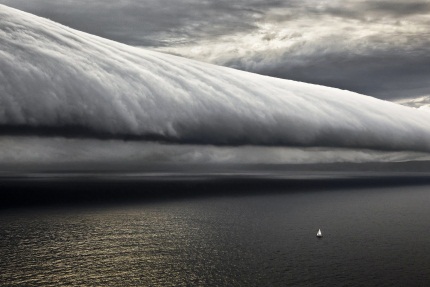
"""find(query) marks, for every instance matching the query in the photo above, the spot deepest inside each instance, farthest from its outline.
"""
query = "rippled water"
(371, 237)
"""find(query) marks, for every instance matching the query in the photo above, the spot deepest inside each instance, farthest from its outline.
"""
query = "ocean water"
(371, 237)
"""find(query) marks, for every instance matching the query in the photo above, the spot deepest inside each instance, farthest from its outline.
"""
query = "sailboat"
(319, 234)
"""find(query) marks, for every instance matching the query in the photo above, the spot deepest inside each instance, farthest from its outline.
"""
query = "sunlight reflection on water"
(376, 236)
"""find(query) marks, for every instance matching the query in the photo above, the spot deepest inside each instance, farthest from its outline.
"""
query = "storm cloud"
(379, 48)
(55, 77)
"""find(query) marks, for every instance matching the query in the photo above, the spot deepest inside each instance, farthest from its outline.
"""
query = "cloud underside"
(375, 47)
(54, 80)
(56, 150)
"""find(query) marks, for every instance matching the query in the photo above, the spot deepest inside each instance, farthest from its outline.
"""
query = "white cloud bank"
(54, 76)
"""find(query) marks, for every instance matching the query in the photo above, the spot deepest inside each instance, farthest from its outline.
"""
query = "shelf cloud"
(56, 78)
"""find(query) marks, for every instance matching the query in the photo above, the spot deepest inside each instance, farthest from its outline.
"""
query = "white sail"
(319, 234)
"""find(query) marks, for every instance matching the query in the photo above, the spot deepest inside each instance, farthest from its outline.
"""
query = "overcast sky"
(376, 47)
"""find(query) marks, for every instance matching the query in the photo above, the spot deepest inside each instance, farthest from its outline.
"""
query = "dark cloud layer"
(379, 48)
(375, 9)
(386, 75)
(148, 23)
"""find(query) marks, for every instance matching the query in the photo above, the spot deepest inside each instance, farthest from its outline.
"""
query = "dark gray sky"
(376, 47)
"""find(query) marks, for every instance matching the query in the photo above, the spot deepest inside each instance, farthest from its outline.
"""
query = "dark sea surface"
(371, 237)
